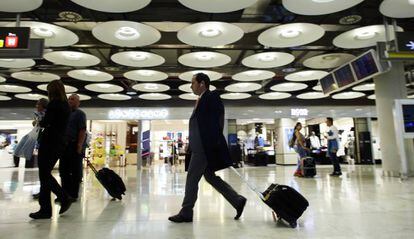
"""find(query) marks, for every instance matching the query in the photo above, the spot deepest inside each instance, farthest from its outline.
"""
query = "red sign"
(12, 38)
(12, 41)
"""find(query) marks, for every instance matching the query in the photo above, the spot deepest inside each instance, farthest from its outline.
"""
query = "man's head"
(41, 104)
(313, 133)
(74, 101)
(200, 83)
(329, 121)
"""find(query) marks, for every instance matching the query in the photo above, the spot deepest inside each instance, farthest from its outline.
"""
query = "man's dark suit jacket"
(210, 118)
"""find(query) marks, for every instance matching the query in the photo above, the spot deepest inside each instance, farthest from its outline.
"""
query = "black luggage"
(110, 181)
(308, 167)
(286, 202)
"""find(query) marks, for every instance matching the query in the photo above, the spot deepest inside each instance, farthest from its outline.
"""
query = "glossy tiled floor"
(360, 204)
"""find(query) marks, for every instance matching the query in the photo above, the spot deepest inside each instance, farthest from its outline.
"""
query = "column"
(363, 142)
(139, 146)
(283, 132)
(388, 87)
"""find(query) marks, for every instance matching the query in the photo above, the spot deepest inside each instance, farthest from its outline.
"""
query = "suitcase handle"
(91, 166)
(251, 186)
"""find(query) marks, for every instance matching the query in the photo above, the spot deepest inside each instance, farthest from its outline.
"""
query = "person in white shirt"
(314, 141)
(332, 137)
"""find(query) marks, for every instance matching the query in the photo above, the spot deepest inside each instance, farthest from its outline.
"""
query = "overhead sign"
(299, 112)
(136, 114)
(406, 41)
(12, 38)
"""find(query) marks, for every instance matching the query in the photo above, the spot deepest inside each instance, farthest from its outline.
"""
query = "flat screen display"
(365, 66)
(408, 115)
(14, 38)
(328, 84)
(344, 76)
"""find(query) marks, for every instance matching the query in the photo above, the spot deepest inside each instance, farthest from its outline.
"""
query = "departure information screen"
(365, 66)
(328, 84)
(344, 76)
(14, 38)
(408, 115)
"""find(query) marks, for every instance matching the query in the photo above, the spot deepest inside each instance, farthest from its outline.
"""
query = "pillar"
(388, 87)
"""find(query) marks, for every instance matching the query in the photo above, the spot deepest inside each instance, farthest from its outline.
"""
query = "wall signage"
(136, 114)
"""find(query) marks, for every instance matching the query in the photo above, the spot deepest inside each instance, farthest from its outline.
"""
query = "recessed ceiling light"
(290, 33)
(43, 32)
(330, 57)
(322, 1)
(11, 86)
(131, 93)
(73, 56)
(90, 72)
(139, 57)
(127, 34)
(210, 32)
(151, 86)
(204, 56)
(146, 73)
(244, 85)
(253, 73)
(278, 112)
(365, 35)
(267, 57)
(105, 86)
(8, 60)
(289, 70)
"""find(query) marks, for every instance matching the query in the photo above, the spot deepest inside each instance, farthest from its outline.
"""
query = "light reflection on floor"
(360, 204)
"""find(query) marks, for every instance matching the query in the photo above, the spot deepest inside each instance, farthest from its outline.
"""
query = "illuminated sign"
(132, 114)
(406, 41)
(299, 112)
(14, 38)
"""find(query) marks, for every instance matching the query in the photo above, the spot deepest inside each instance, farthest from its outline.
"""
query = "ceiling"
(168, 17)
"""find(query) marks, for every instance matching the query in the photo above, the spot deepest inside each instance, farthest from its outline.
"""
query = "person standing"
(315, 143)
(300, 148)
(209, 151)
(71, 164)
(51, 146)
(332, 137)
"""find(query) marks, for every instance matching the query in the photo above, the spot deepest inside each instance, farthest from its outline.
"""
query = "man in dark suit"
(209, 151)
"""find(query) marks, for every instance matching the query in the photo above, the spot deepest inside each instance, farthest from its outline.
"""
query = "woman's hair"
(297, 125)
(56, 91)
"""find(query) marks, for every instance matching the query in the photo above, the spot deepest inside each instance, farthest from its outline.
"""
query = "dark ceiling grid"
(161, 10)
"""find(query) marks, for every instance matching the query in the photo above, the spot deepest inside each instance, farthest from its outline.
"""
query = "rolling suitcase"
(110, 181)
(308, 167)
(286, 202)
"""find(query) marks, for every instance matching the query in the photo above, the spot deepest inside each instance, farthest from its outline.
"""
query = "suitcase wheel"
(293, 224)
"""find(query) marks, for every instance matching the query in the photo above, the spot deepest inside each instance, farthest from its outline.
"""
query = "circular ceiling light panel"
(35, 76)
(210, 34)
(363, 37)
(268, 60)
(90, 75)
(347, 95)
(188, 96)
(55, 36)
(311, 95)
(364, 87)
(318, 7)
(287, 87)
(372, 97)
(72, 58)
(235, 96)
(82, 97)
(114, 97)
(309, 75)
(397, 8)
(126, 33)
(317, 88)
(291, 35)
(150, 87)
(20, 5)
(274, 96)
(328, 61)
(154, 96)
(2, 79)
(14, 88)
(30, 96)
(243, 87)
(204, 59)
(187, 88)
(253, 75)
(4, 98)
(68, 88)
(217, 6)
(188, 76)
(146, 75)
(119, 6)
(137, 59)
(17, 63)
(104, 88)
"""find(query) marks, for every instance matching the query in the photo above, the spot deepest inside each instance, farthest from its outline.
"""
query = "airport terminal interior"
(273, 64)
